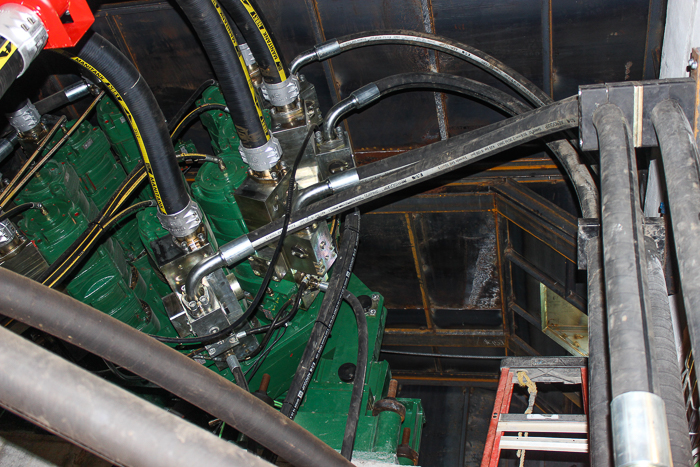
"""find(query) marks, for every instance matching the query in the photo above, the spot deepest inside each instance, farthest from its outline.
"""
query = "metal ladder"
(540, 370)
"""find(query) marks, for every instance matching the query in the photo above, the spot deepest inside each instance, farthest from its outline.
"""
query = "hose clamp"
(236, 250)
(284, 93)
(23, 27)
(343, 180)
(183, 223)
(25, 118)
(640, 432)
(327, 49)
(263, 157)
(76, 91)
(248, 57)
(365, 95)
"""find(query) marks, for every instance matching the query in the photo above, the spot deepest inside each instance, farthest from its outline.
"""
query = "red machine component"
(66, 21)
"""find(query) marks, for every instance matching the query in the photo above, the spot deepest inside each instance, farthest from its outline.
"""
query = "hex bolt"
(693, 64)
(319, 137)
(212, 351)
(265, 383)
(375, 297)
(393, 388)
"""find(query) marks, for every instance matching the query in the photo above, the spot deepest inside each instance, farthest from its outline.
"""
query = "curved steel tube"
(197, 273)
(335, 113)
(311, 194)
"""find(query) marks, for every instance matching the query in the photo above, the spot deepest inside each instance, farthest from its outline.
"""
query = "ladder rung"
(531, 443)
(543, 423)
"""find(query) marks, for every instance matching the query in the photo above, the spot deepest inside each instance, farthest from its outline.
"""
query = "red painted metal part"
(492, 448)
(53, 14)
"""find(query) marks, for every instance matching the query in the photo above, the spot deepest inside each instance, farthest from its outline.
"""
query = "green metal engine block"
(120, 277)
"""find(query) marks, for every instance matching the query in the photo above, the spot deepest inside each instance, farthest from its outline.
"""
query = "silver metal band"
(182, 223)
(284, 93)
(263, 157)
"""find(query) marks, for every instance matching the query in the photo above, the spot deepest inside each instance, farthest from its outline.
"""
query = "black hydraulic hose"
(19, 210)
(68, 319)
(582, 181)
(146, 119)
(63, 97)
(629, 315)
(259, 37)
(599, 398)
(422, 164)
(666, 366)
(330, 306)
(172, 123)
(212, 28)
(101, 417)
(680, 155)
(360, 374)
(409, 81)
(11, 67)
(430, 161)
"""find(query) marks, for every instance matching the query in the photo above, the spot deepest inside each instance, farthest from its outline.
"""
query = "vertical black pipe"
(666, 367)
(212, 28)
(624, 258)
(599, 397)
(680, 155)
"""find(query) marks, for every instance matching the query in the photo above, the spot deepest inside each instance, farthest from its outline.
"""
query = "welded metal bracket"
(654, 228)
(636, 99)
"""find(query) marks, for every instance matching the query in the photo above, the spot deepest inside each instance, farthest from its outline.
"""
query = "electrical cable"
(358, 384)
(189, 118)
(261, 359)
(581, 179)
(70, 258)
(19, 210)
(270, 270)
(188, 103)
(31, 159)
(280, 320)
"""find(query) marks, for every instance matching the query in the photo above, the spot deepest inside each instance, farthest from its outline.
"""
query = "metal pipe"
(640, 433)
(101, 417)
(312, 193)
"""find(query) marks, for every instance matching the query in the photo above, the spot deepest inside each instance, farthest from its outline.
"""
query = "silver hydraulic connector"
(248, 57)
(264, 157)
(25, 119)
(23, 27)
(183, 223)
(284, 93)
(8, 232)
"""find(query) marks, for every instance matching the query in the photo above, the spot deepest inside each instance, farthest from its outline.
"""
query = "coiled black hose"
(212, 28)
(146, 119)
(259, 38)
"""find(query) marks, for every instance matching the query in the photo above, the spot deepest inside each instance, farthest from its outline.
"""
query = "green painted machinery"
(105, 280)
(120, 278)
